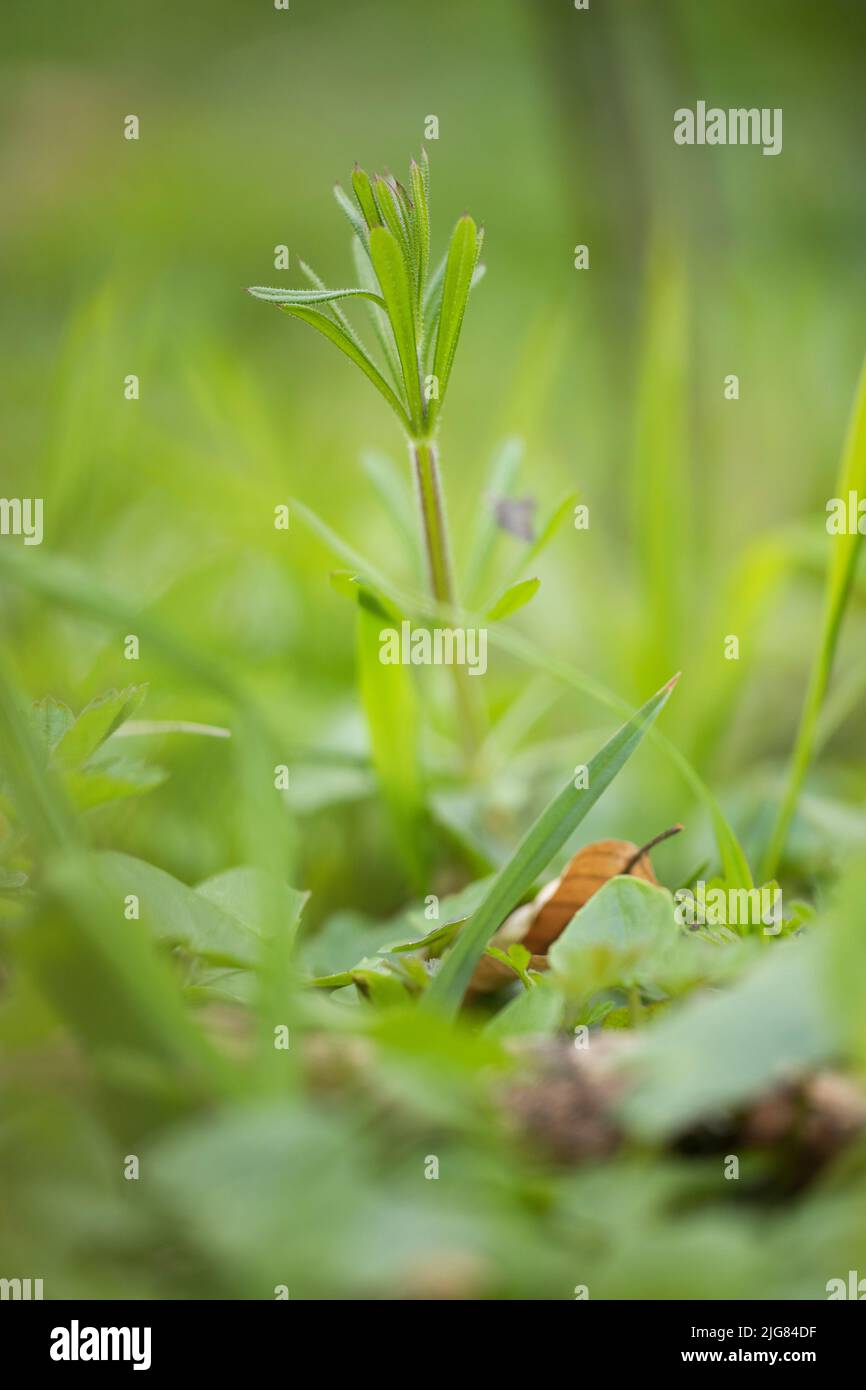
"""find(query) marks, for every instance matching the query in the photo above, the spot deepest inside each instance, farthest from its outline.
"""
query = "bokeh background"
(707, 515)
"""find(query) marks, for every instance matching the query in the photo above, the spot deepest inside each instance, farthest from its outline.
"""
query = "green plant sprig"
(417, 317)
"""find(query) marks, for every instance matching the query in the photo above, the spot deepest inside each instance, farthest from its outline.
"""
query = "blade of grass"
(844, 552)
(546, 837)
(660, 491)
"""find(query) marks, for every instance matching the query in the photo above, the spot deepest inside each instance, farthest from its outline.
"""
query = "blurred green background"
(707, 515)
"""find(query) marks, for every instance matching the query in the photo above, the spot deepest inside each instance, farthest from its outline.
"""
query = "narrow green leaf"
(366, 201)
(334, 332)
(393, 278)
(356, 222)
(316, 296)
(422, 219)
(462, 259)
(334, 307)
(546, 837)
(378, 315)
(432, 302)
(515, 597)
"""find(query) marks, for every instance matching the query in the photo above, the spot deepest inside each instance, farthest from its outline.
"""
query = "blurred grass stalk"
(840, 574)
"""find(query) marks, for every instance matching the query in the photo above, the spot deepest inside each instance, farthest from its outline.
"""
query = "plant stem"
(425, 460)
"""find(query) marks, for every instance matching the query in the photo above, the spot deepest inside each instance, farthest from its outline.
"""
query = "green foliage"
(549, 833)
(391, 226)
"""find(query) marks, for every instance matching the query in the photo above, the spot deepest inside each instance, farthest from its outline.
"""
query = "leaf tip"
(672, 682)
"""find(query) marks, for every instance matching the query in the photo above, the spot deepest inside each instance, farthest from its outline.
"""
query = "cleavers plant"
(417, 316)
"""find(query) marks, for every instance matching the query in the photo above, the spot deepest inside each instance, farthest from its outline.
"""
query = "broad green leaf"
(462, 259)
(614, 938)
(515, 597)
(335, 333)
(315, 296)
(720, 1051)
(394, 281)
(110, 779)
(96, 723)
(243, 893)
(176, 914)
(537, 1011)
(549, 833)
(844, 553)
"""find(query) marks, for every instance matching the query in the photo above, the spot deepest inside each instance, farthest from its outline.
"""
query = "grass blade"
(840, 574)
(546, 837)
